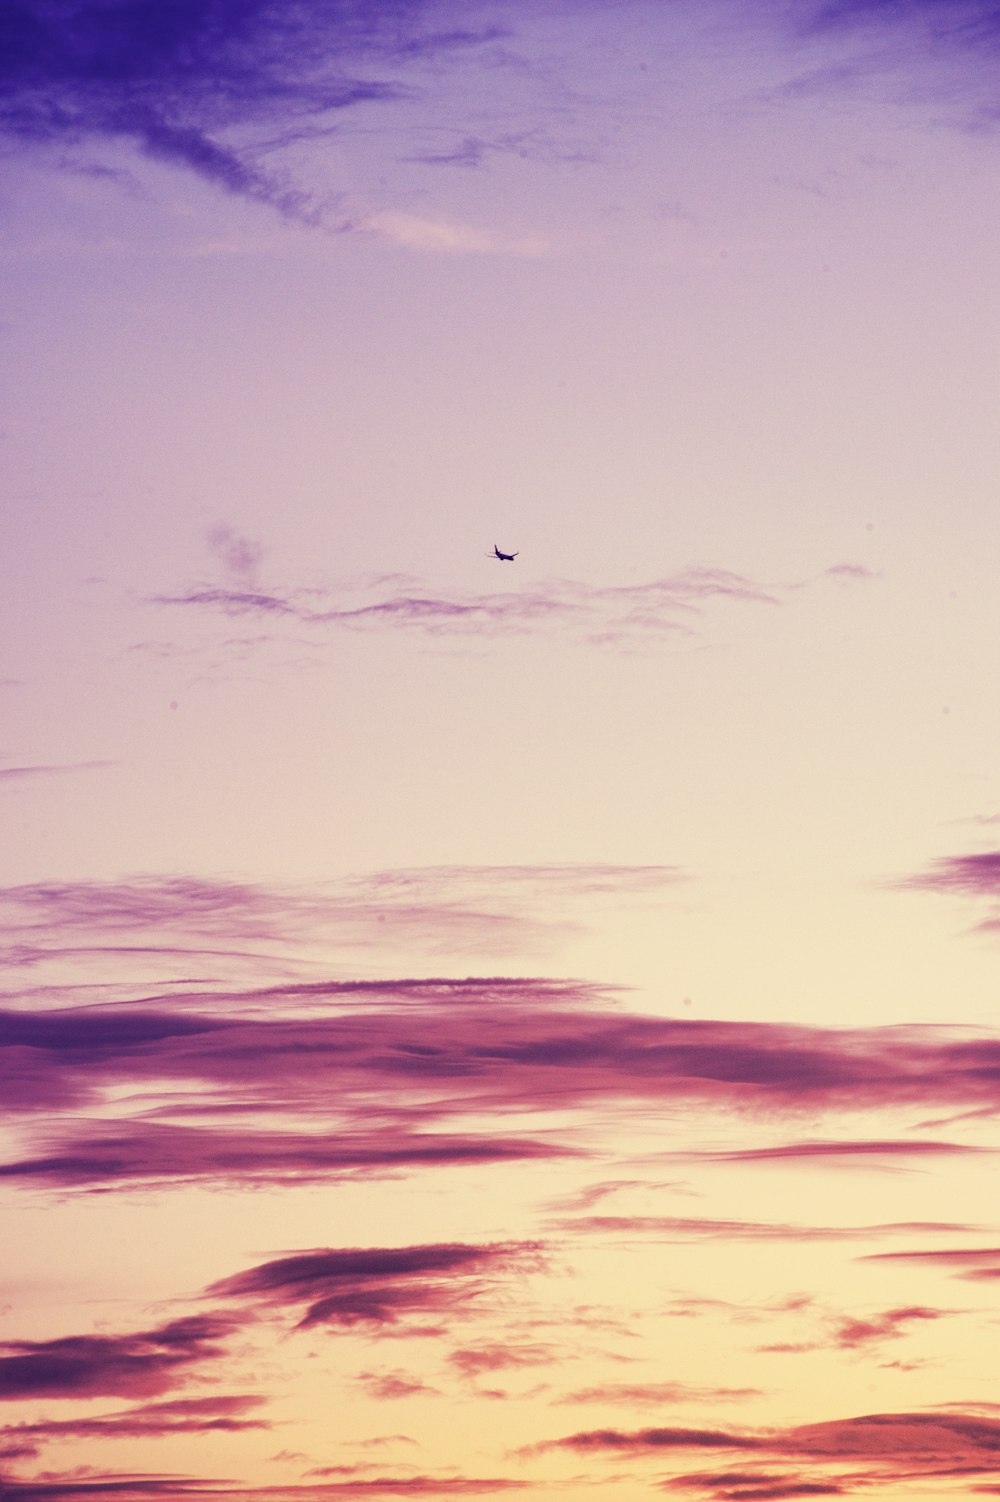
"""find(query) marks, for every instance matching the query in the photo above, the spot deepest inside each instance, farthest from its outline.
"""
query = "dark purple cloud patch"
(168, 1154)
(652, 1440)
(432, 1053)
(217, 1414)
(377, 1286)
(975, 875)
(209, 87)
(140, 1365)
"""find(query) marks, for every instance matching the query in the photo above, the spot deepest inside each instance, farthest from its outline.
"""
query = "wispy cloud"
(131, 1366)
(685, 1228)
(107, 938)
(214, 92)
(377, 1286)
(169, 1155)
(605, 615)
(220, 1413)
(975, 875)
(450, 237)
(656, 1394)
(883, 1450)
(976, 1264)
(324, 1052)
(51, 769)
(143, 1487)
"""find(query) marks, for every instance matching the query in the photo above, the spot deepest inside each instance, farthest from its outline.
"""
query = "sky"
(478, 1027)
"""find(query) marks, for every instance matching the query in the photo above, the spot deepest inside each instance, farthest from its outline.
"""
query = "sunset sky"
(470, 1027)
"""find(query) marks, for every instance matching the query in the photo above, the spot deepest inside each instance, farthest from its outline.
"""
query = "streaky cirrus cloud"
(974, 875)
(603, 615)
(973, 1263)
(656, 1394)
(432, 1054)
(144, 1487)
(51, 769)
(171, 1155)
(143, 1364)
(223, 92)
(220, 1413)
(838, 1154)
(377, 1286)
(691, 1228)
(212, 90)
(457, 908)
(891, 1449)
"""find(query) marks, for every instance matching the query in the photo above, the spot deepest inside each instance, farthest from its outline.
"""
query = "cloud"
(462, 909)
(473, 1362)
(377, 1286)
(915, 50)
(976, 875)
(211, 90)
(141, 1488)
(683, 1228)
(837, 1153)
(754, 1486)
(239, 556)
(140, 1365)
(54, 769)
(127, 1488)
(400, 1486)
(975, 1264)
(892, 1449)
(389, 1075)
(851, 1334)
(151, 1152)
(217, 1414)
(615, 615)
(393, 1385)
(656, 1394)
(641, 1441)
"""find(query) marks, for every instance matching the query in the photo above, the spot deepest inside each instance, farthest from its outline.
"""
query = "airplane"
(504, 557)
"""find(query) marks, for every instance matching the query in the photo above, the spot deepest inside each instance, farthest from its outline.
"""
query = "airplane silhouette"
(504, 557)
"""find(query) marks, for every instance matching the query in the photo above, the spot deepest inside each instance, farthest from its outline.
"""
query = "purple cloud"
(377, 1286)
(217, 1414)
(837, 1153)
(208, 90)
(140, 1365)
(656, 1394)
(431, 1052)
(696, 1228)
(461, 908)
(151, 1152)
(616, 615)
(973, 875)
(51, 769)
(976, 875)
